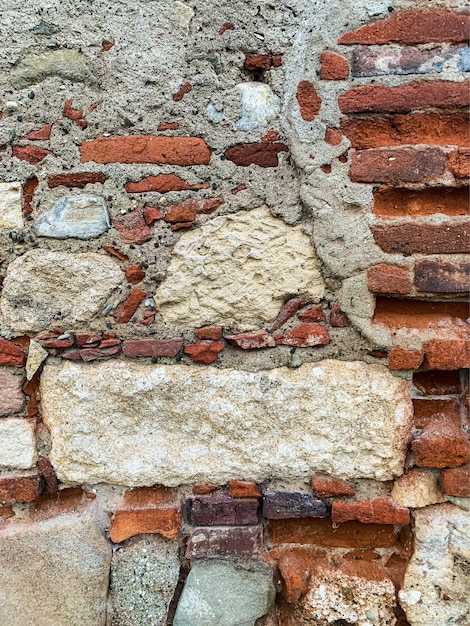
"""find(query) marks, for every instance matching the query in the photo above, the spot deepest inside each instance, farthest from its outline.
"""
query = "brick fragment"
(42, 134)
(76, 179)
(456, 482)
(403, 99)
(243, 541)
(29, 188)
(423, 238)
(106, 45)
(285, 505)
(243, 489)
(437, 383)
(411, 27)
(378, 511)
(442, 276)
(459, 163)
(261, 62)
(403, 359)
(261, 154)
(331, 487)
(32, 154)
(152, 347)
(58, 344)
(226, 26)
(115, 252)
(163, 183)
(49, 478)
(385, 278)
(204, 351)
(11, 354)
(146, 149)
(201, 490)
(309, 100)
(221, 510)
(135, 274)
(151, 215)
(182, 225)
(338, 318)
(182, 91)
(252, 341)
(295, 565)
(304, 336)
(132, 228)
(289, 309)
(129, 306)
(93, 354)
(451, 201)
(168, 126)
(404, 165)
(19, 489)
(447, 354)
(333, 136)
(74, 114)
(313, 314)
(333, 66)
(209, 333)
(179, 213)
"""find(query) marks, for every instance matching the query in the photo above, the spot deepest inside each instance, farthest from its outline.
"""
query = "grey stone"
(54, 572)
(67, 64)
(144, 574)
(218, 593)
(259, 105)
(83, 216)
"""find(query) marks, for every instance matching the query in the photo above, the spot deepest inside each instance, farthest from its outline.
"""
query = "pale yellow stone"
(238, 269)
(416, 489)
(17, 443)
(36, 356)
(11, 214)
(139, 424)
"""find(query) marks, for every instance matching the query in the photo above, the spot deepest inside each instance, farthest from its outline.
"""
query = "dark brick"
(285, 505)
(423, 238)
(242, 541)
(442, 276)
(437, 383)
(404, 165)
(221, 510)
(262, 154)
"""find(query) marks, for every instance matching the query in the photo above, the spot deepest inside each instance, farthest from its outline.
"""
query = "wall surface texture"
(234, 327)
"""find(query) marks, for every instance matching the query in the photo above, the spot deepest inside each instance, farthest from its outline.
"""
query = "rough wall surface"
(233, 312)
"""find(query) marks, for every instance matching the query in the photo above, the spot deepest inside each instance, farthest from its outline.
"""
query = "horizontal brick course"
(423, 238)
(403, 165)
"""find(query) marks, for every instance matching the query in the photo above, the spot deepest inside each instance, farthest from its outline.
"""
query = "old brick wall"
(234, 328)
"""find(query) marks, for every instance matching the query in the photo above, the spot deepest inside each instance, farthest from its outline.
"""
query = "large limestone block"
(238, 268)
(17, 443)
(437, 580)
(54, 572)
(141, 424)
(43, 286)
(11, 213)
(144, 575)
(217, 593)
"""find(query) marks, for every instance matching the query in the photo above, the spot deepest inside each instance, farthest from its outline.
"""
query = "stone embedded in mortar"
(67, 64)
(144, 574)
(54, 572)
(416, 489)
(11, 213)
(36, 356)
(12, 399)
(83, 216)
(437, 580)
(238, 268)
(259, 105)
(135, 421)
(218, 593)
(17, 443)
(44, 286)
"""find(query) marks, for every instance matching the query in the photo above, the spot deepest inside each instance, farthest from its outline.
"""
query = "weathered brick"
(29, 187)
(337, 317)
(285, 505)
(289, 309)
(261, 154)
(129, 306)
(410, 27)
(209, 333)
(333, 136)
(378, 511)
(76, 179)
(295, 565)
(74, 114)
(326, 487)
(146, 149)
(243, 489)
(221, 510)
(404, 165)
(201, 490)
(401, 313)
(309, 100)
(134, 274)
(423, 238)
(182, 91)
(313, 314)
(152, 347)
(437, 383)
(459, 163)
(261, 62)
(243, 541)
(403, 359)
(19, 489)
(163, 183)
(204, 351)
(151, 215)
(456, 481)
(32, 154)
(406, 98)
(11, 354)
(447, 354)
(304, 336)
(42, 134)
(252, 341)
(187, 211)
(385, 278)
(451, 201)
(12, 399)
(115, 252)
(442, 276)
(333, 66)
(132, 228)
(168, 126)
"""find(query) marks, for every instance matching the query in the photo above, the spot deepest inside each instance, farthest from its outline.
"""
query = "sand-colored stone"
(12, 398)
(137, 424)
(416, 489)
(239, 268)
(11, 212)
(17, 444)
(36, 356)
(44, 286)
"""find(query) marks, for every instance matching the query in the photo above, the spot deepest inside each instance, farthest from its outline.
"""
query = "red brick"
(152, 347)
(309, 100)
(403, 359)
(126, 309)
(182, 225)
(304, 336)
(406, 98)
(411, 27)
(204, 489)
(322, 532)
(404, 165)
(237, 189)
(58, 344)
(456, 482)
(182, 91)
(29, 188)
(271, 136)
(180, 213)
(252, 341)
(385, 278)
(423, 238)
(135, 274)
(204, 351)
(87, 339)
(437, 383)
(442, 276)
(19, 489)
(261, 62)
(115, 252)
(50, 482)
(148, 318)
(243, 489)
(243, 541)
(210, 333)
(187, 211)
(413, 128)
(92, 354)
(168, 126)
(42, 134)
(106, 45)
(132, 228)
(447, 354)
(163, 183)
(459, 163)
(151, 215)
(146, 149)
(451, 201)
(74, 114)
(421, 314)
(295, 565)
(333, 136)
(379, 511)
(32, 154)
(333, 66)
(261, 154)
(331, 487)
(289, 309)
(149, 497)
(11, 354)
(337, 317)
(313, 314)
(226, 26)
(221, 510)
(76, 179)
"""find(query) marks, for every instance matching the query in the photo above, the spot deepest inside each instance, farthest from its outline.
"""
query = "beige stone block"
(416, 489)
(17, 443)
(11, 213)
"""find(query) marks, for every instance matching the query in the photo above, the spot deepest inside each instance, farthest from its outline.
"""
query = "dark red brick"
(385, 278)
(129, 306)
(182, 91)
(32, 154)
(337, 317)
(289, 309)
(152, 347)
(309, 100)
(135, 274)
(29, 188)
(286, 505)
(456, 482)
(423, 238)
(437, 383)
(261, 154)
(333, 66)
(452, 201)
(313, 314)
(244, 542)
(168, 126)
(209, 333)
(163, 183)
(442, 276)
(11, 354)
(42, 134)
(76, 179)
(19, 489)
(459, 163)
(221, 510)
(404, 165)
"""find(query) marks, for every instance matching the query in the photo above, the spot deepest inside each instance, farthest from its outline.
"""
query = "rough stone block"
(12, 399)
(83, 216)
(17, 443)
(11, 215)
